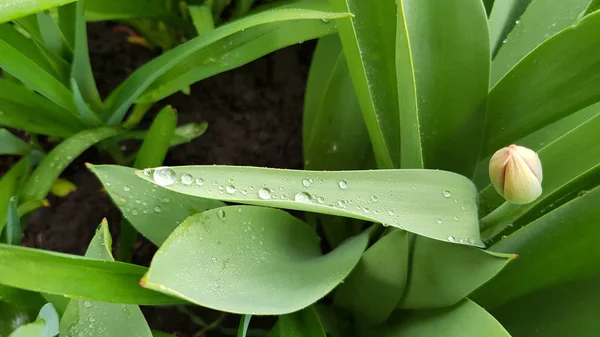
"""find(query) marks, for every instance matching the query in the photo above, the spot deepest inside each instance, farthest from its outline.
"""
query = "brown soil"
(254, 115)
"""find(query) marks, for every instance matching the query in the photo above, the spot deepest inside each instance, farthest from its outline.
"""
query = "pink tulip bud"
(516, 173)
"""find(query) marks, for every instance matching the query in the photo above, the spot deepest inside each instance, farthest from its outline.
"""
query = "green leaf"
(541, 20)
(10, 183)
(50, 317)
(85, 318)
(93, 280)
(463, 319)
(330, 110)
(413, 200)
(13, 223)
(244, 323)
(503, 18)
(15, 61)
(557, 248)
(180, 57)
(233, 45)
(303, 323)
(442, 87)
(52, 37)
(11, 317)
(154, 212)
(592, 7)
(442, 274)
(67, 18)
(35, 329)
(202, 18)
(375, 286)
(14, 9)
(242, 259)
(183, 134)
(23, 109)
(556, 79)
(578, 147)
(157, 140)
(368, 41)
(59, 158)
(12, 145)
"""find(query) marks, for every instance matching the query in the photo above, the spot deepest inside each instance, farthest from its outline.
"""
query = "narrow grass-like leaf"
(558, 248)
(59, 158)
(368, 41)
(107, 319)
(463, 319)
(183, 134)
(93, 280)
(122, 98)
(557, 78)
(202, 18)
(10, 183)
(12, 145)
(14, 9)
(247, 260)
(157, 140)
(375, 286)
(503, 18)
(305, 322)
(330, 110)
(67, 18)
(154, 212)
(442, 87)
(442, 274)
(13, 223)
(413, 200)
(541, 20)
(52, 36)
(244, 323)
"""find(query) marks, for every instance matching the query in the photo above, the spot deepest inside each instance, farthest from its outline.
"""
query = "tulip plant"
(428, 126)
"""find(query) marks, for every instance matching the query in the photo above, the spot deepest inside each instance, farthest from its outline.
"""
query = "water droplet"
(230, 189)
(439, 221)
(221, 214)
(321, 200)
(244, 192)
(165, 200)
(305, 182)
(343, 184)
(325, 20)
(157, 209)
(462, 240)
(504, 41)
(126, 189)
(92, 319)
(87, 304)
(138, 201)
(221, 188)
(134, 212)
(164, 176)
(455, 218)
(447, 194)
(366, 210)
(390, 212)
(463, 208)
(147, 172)
(471, 241)
(342, 204)
(374, 198)
(264, 193)
(302, 197)
(510, 225)
(451, 239)
(187, 179)
(199, 181)
(517, 22)
(214, 259)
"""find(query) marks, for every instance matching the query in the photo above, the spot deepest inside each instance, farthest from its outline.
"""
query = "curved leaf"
(12, 145)
(45, 271)
(368, 41)
(154, 212)
(303, 323)
(442, 87)
(557, 78)
(503, 18)
(249, 260)
(59, 158)
(330, 110)
(10, 183)
(463, 319)
(425, 202)
(14, 9)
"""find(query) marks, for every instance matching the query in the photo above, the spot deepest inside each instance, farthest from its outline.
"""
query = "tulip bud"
(516, 173)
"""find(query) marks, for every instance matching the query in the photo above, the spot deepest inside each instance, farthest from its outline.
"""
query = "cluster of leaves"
(423, 91)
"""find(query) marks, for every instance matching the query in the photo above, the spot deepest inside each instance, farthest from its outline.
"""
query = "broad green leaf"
(154, 212)
(376, 285)
(442, 87)
(555, 249)
(368, 41)
(557, 78)
(14, 9)
(157, 140)
(170, 63)
(413, 200)
(244, 323)
(16, 62)
(34, 329)
(578, 147)
(566, 310)
(23, 109)
(488, 4)
(303, 323)
(503, 18)
(463, 319)
(10, 183)
(242, 259)
(85, 318)
(59, 158)
(442, 274)
(541, 20)
(330, 110)
(231, 48)
(93, 280)
(12, 145)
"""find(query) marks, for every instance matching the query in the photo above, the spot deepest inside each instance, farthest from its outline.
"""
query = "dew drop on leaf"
(264, 193)
(455, 218)
(157, 209)
(199, 181)
(305, 182)
(451, 239)
(343, 184)
(147, 171)
(321, 200)
(438, 221)
(221, 214)
(447, 194)
(230, 189)
(87, 304)
(187, 179)
(302, 197)
(164, 176)
(126, 189)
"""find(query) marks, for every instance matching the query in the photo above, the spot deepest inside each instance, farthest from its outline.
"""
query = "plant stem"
(499, 219)
(211, 326)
